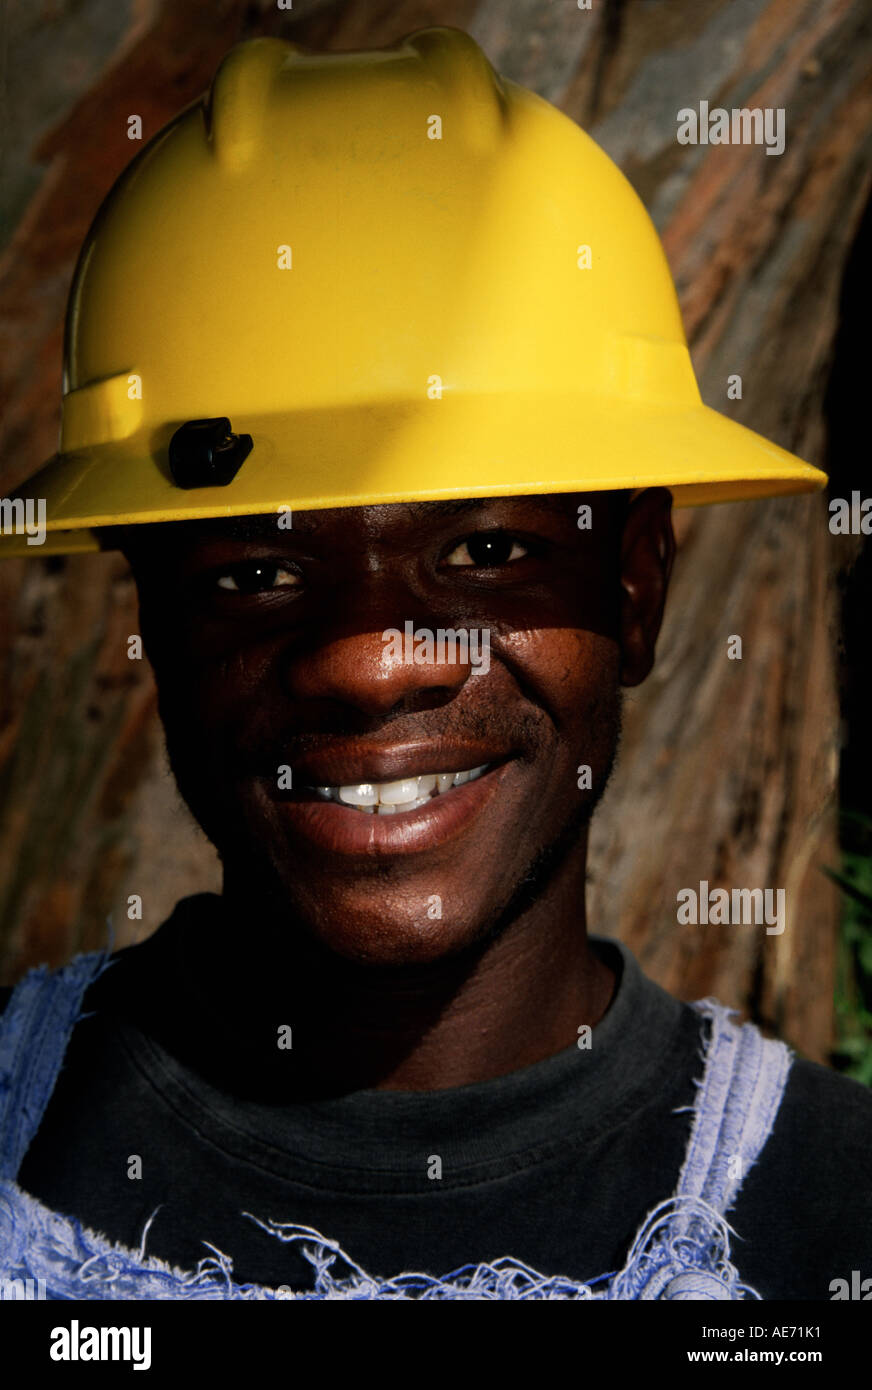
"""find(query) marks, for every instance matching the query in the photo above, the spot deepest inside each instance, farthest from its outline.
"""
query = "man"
(375, 373)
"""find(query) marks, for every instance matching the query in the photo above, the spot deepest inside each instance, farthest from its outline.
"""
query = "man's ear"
(647, 553)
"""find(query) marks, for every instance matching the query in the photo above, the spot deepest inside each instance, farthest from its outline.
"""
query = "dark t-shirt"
(556, 1164)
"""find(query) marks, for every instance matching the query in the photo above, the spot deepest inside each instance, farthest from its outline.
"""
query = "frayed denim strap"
(683, 1249)
(35, 1029)
(69, 1261)
(739, 1096)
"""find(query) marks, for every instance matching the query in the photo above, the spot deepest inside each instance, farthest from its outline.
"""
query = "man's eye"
(487, 548)
(256, 577)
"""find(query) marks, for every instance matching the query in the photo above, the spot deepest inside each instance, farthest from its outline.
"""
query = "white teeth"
(395, 793)
(364, 794)
(407, 794)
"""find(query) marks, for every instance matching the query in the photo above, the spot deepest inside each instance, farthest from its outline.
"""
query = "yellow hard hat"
(384, 276)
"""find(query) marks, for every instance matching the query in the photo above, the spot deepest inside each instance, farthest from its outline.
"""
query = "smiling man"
(274, 652)
(360, 347)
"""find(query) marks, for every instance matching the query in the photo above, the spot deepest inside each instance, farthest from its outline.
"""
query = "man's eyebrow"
(553, 502)
(258, 527)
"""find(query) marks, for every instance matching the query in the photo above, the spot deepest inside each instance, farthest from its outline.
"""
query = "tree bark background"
(728, 771)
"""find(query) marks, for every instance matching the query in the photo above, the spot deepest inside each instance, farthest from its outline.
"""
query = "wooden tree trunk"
(728, 769)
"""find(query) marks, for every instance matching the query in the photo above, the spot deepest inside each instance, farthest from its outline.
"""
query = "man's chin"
(367, 923)
(396, 942)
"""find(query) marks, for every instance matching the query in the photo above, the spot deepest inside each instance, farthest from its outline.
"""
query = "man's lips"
(346, 765)
(343, 830)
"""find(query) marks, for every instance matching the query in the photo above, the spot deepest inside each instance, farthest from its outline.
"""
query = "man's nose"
(376, 672)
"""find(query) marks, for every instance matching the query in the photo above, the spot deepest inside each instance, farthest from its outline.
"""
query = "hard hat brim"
(509, 445)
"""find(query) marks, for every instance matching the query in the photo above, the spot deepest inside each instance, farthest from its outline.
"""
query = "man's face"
(281, 658)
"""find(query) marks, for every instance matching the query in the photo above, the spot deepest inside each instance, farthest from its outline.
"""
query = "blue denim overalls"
(681, 1251)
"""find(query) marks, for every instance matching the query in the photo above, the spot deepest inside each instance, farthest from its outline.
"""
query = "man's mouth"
(404, 811)
(405, 794)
